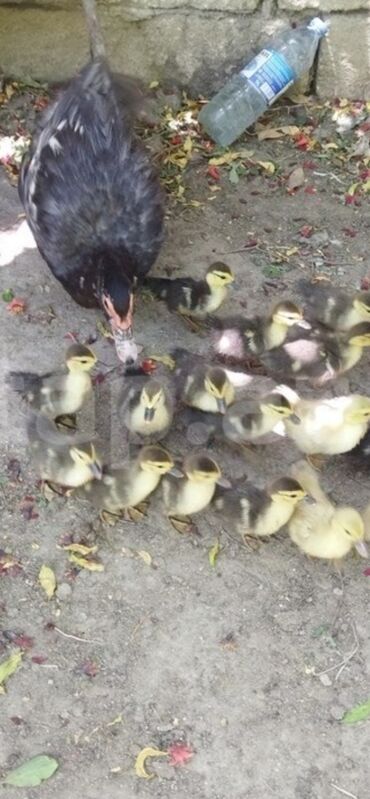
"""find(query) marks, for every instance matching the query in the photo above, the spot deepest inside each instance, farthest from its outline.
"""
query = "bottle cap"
(319, 26)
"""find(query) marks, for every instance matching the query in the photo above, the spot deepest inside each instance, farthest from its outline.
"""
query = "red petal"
(213, 172)
(39, 659)
(179, 754)
(366, 572)
(16, 306)
(306, 231)
(365, 284)
(148, 366)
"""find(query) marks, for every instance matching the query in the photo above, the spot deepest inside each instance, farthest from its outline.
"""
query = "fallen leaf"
(9, 666)
(269, 133)
(229, 642)
(141, 758)
(306, 231)
(81, 549)
(291, 251)
(9, 564)
(83, 563)
(145, 556)
(7, 295)
(14, 470)
(47, 580)
(154, 84)
(290, 130)
(213, 172)
(233, 174)
(213, 553)
(89, 668)
(330, 146)
(16, 306)
(23, 641)
(357, 713)
(33, 772)
(27, 508)
(228, 158)
(351, 232)
(296, 178)
(268, 166)
(179, 754)
(38, 659)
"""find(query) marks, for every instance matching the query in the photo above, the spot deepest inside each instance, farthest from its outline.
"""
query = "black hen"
(93, 200)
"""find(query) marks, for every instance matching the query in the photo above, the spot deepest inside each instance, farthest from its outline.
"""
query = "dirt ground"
(251, 663)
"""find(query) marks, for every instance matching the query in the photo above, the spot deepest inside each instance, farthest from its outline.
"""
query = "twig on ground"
(341, 790)
(77, 637)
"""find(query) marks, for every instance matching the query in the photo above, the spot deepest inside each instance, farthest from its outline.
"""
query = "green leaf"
(7, 667)
(357, 713)
(33, 772)
(213, 553)
(233, 174)
(7, 295)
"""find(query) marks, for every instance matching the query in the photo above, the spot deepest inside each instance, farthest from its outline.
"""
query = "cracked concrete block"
(324, 6)
(344, 63)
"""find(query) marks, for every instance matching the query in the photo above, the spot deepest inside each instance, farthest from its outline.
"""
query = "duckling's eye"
(348, 532)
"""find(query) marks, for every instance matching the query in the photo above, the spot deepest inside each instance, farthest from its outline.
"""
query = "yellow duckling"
(335, 308)
(146, 408)
(238, 336)
(194, 299)
(61, 459)
(329, 426)
(122, 491)
(57, 394)
(193, 491)
(321, 529)
(208, 388)
(256, 512)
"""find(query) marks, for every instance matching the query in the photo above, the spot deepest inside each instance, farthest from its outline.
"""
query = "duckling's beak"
(96, 471)
(149, 414)
(176, 472)
(362, 549)
(222, 481)
(294, 418)
(303, 323)
(221, 405)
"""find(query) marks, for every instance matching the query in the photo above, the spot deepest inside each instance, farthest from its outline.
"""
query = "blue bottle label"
(270, 73)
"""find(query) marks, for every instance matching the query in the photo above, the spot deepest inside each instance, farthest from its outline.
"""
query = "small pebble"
(325, 680)
(338, 592)
(63, 591)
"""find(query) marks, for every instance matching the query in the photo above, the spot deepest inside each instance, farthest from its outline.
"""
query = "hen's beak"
(123, 336)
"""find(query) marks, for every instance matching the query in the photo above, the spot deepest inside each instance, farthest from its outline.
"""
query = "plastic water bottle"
(247, 95)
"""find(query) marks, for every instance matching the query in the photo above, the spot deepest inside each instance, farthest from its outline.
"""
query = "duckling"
(247, 421)
(237, 336)
(194, 299)
(320, 356)
(58, 394)
(319, 528)
(122, 491)
(259, 512)
(193, 491)
(329, 426)
(333, 307)
(61, 459)
(146, 408)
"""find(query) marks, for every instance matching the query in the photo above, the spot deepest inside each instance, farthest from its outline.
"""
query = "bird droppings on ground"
(199, 645)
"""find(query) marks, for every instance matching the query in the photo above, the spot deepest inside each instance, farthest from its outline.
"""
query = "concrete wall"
(188, 42)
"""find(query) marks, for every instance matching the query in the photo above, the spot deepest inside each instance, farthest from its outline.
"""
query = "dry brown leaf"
(296, 178)
(269, 133)
(290, 130)
(47, 580)
(148, 751)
